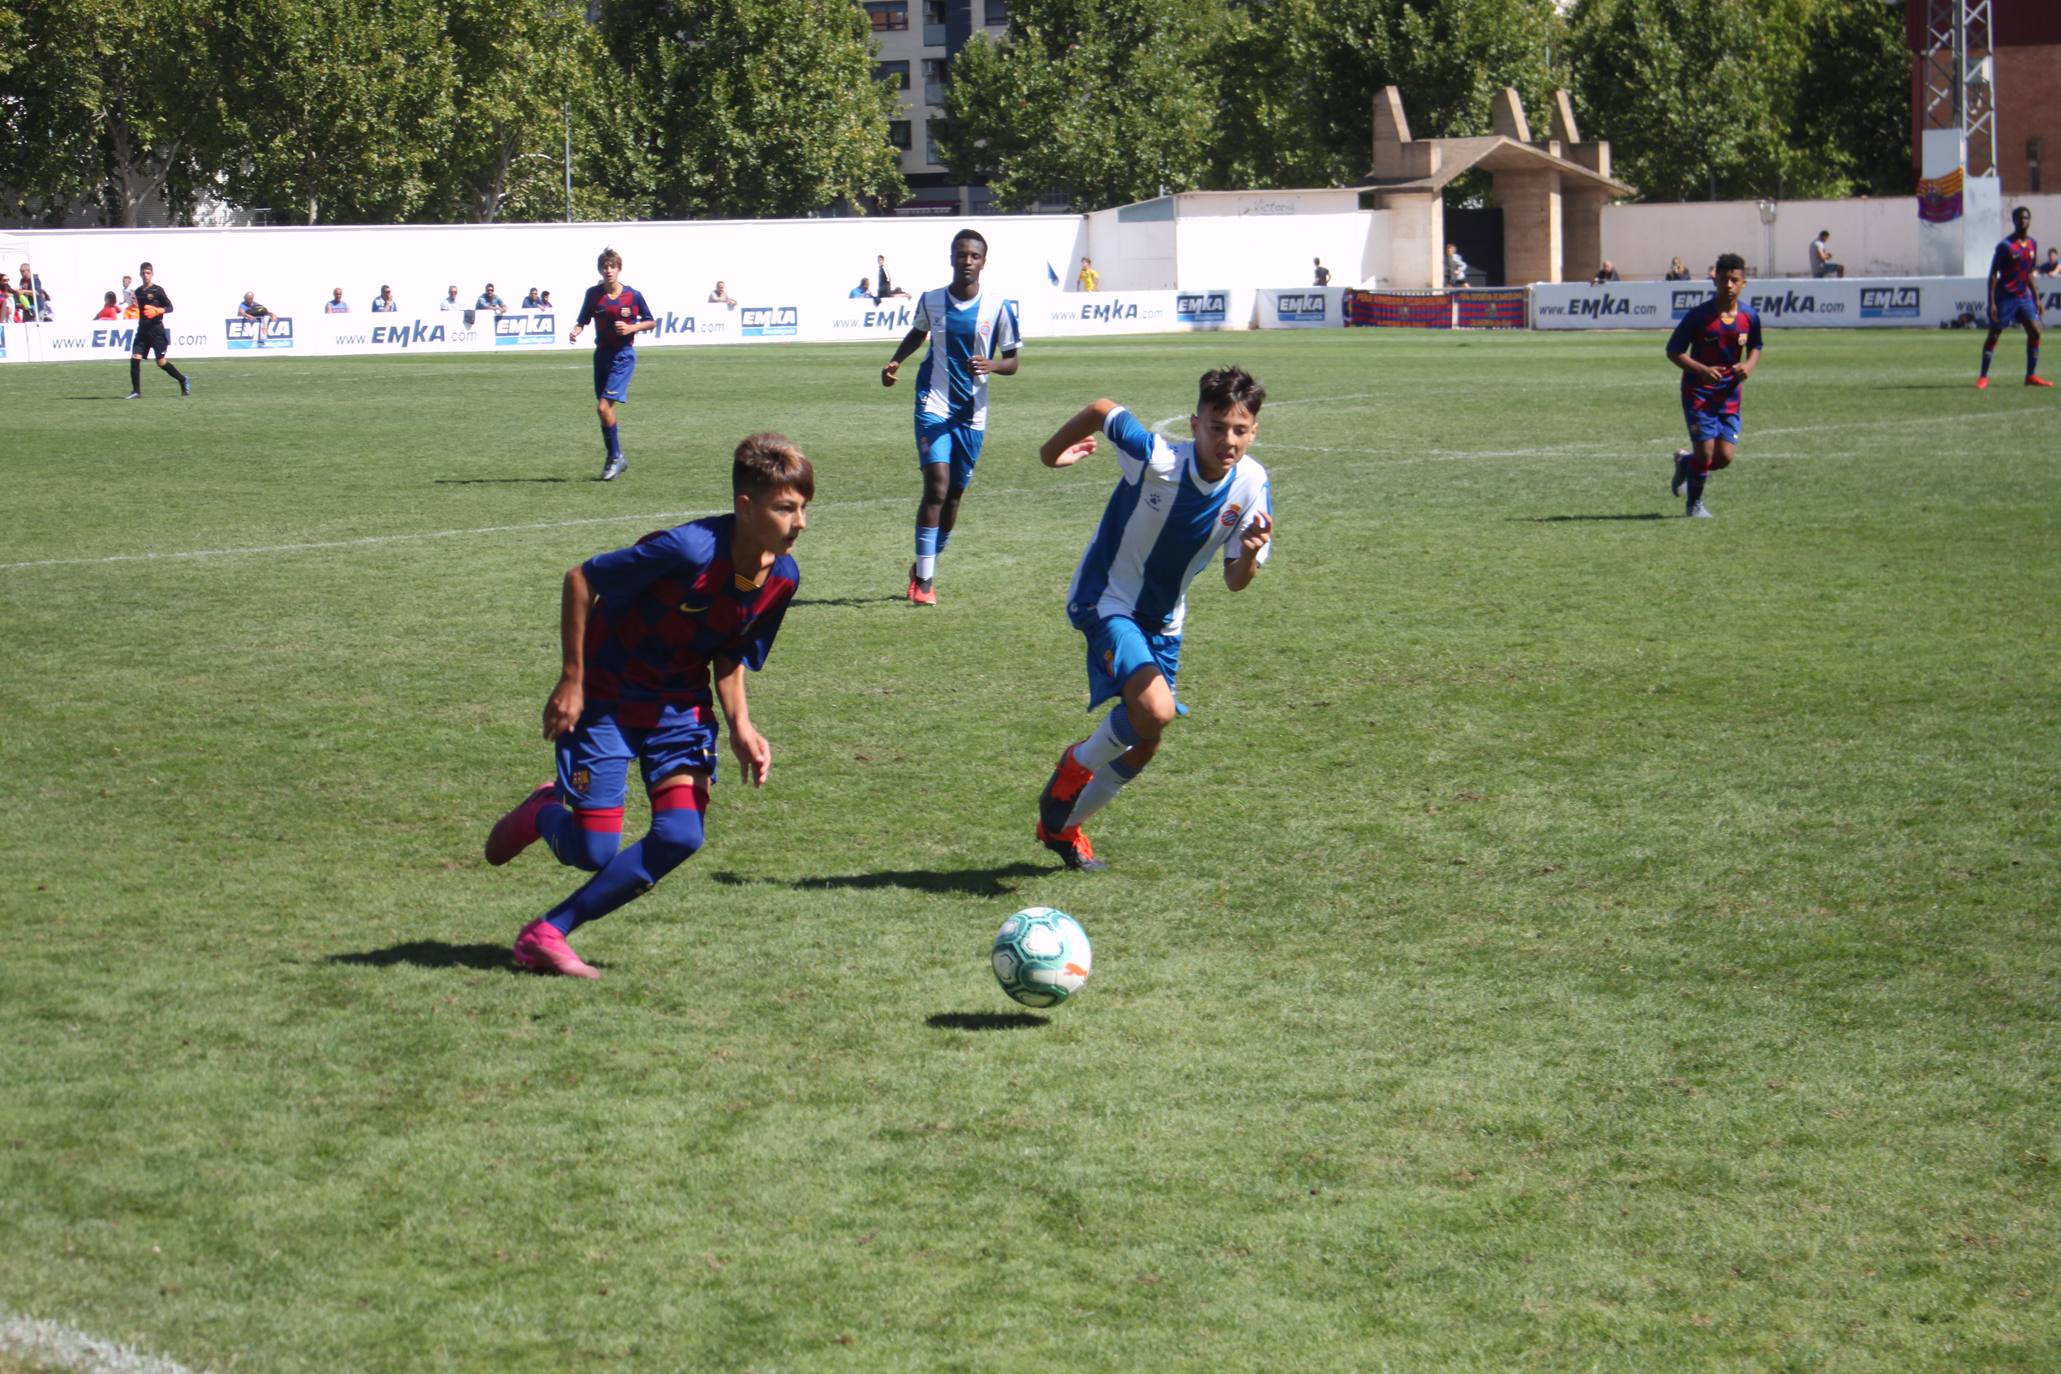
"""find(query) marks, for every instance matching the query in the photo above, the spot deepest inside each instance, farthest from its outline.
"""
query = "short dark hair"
(1727, 262)
(767, 462)
(1229, 386)
(973, 234)
(146, 267)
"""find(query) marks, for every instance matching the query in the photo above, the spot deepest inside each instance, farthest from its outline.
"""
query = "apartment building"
(917, 41)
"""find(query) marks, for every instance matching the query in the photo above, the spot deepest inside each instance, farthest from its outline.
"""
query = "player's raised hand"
(754, 753)
(887, 374)
(1256, 536)
(1073, 453)
(562, 710)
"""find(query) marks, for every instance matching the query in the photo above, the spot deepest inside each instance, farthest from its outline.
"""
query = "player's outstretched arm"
(568, 700)
(1075, 439)
(911, 341)
(1239, 571)
(754, 752)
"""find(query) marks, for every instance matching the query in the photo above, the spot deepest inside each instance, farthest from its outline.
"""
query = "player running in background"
(619, 314)
(653, 635)
(972, 337)
(152, 336)
(2013, 298)
(1174, 505)
(1717, 346)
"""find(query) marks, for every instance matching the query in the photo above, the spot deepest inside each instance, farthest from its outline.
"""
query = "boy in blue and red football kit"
(2013, 299)
(619, 314)
(1717, 346)
(654, 636)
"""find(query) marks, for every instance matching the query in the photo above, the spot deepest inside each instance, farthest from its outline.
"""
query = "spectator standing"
(384, 303)
(39, 300)
(1323, 276)
(489, 301)
(336, 304)
(1088, 279)
(1822, 264)
(1456, 266)
(1675, 270)
(110, 309)
(451, 302)
(128, 296)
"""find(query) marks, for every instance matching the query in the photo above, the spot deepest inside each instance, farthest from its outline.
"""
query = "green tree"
(345, 110)
(754, 107)
(112, 106)
(1102, 102)
(1692, 94)
(1853, 97)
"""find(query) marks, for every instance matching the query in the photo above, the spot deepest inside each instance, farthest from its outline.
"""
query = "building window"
(933, 131)
(888, 14)
(934, 81)
(897, 72)
(934, 11)
(898, 133)
(998, 13)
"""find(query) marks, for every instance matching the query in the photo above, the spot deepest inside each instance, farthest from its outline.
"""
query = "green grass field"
(1564, 936)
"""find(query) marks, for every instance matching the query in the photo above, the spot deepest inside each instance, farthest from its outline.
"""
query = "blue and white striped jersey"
(1162, 524)
(947, 391)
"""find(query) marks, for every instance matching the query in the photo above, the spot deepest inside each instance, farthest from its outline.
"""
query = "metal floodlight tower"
(1959, 71)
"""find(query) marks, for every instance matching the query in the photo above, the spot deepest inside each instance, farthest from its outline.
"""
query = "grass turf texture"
(1564, 936)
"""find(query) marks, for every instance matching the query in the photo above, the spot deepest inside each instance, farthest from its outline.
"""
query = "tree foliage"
(755, 107)
(1102, 103)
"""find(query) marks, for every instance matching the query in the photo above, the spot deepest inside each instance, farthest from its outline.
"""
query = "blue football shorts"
(612, 372)
(594, 756)
(1704, 425)
(2012, 309)
(956, 444)
(1119, 647)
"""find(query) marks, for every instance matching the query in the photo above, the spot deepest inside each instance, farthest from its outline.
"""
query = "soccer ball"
(1041, 956)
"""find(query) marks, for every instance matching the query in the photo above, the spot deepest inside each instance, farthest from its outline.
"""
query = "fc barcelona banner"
(1939, 198)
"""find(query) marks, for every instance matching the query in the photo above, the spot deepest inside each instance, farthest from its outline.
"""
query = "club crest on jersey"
(580, 778)
(1231, 513)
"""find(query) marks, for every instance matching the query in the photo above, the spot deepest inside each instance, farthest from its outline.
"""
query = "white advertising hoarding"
(1828, 303)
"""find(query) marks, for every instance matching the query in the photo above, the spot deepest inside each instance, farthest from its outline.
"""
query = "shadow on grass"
(1563, 519)
(985, 1020)
(433, 954)
(844, 600)
(977, 882)
(493, 481)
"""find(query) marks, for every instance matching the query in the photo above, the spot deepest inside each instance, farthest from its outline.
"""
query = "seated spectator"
(1606, 273)
(110, 308)
(450, 302)
(250, 309)
(544, 300)
(30, 287)
(1456, 266)
(719, 295)
(2052, 266)
(489, 301)
(336, 304)
(1822, 264)
(7, 305)
(384, 302)
(863, 289)
(532, 301)
(1675, 270)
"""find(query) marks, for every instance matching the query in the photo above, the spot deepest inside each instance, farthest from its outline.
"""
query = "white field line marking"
(54, 1344)
(1438, 454)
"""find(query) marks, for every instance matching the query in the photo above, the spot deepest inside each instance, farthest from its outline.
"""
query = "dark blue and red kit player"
(2013, 299)
(655, 636)
(1717, 346)
(619, 314)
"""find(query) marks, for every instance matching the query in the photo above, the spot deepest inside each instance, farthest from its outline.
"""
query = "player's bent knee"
(590, 850)
(675, 836)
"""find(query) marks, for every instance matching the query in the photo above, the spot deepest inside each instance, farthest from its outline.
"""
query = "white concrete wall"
(1873, 238)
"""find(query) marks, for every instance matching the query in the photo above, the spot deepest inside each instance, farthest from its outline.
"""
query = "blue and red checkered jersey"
(629, 305)
(2011, 266)
(670, 606)
(1711, 339)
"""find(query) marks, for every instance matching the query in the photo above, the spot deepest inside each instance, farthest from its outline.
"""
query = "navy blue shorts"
(2012, 310)
(1704, 425)
(612, 370)
(594, 756)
